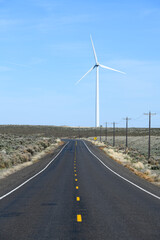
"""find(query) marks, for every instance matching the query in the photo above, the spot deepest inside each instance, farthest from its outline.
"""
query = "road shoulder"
(10, 182)
(123, 171)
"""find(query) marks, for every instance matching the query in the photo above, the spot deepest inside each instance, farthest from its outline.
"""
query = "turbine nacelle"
(96, 65)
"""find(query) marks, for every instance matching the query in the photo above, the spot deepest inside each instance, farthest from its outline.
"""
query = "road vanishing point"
(78, 193)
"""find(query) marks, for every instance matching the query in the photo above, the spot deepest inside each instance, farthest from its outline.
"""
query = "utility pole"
(95, 132)
(79, 132)
(114, 133)
(106, 133)
(149, 139)
(100, 132)
(127, 130)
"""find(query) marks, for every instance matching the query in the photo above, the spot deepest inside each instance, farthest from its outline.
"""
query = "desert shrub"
(2, 165)
(36, 148)
(30, 150)
(15, 159)
(24, 157)
(44, 144)
(15, 149)
(7, 163)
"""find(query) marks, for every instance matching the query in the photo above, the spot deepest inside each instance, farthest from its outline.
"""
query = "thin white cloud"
(68, 47)
(54, 22)
(150, 12)
(141, 77)
(46, 5)
(82, 18)
(5, 23)
(33, 61)
(18, 64)
(37, 60)
(4, 69)
(132, 64)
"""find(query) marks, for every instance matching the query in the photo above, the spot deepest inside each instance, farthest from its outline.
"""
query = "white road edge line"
(142, 189)
(22, 184)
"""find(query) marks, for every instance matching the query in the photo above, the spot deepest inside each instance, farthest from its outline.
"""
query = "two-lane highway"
(77, 197)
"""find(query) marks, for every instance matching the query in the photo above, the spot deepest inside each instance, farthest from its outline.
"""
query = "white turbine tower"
(97, 65)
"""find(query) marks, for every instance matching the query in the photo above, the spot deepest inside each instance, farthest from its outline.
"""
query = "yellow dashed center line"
(78, 199)
(75, 150)
(79, 218)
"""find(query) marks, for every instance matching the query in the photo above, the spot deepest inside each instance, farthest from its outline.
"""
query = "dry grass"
(17, 149)
(134, 161)
(14, 168)
(138, 165)
(140, 174)
(137, 144)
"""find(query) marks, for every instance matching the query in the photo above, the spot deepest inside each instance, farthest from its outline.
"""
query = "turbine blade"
(111, 69)
(84, 75)
(95, 56)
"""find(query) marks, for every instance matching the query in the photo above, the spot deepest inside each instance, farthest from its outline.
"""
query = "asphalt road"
(77, 197)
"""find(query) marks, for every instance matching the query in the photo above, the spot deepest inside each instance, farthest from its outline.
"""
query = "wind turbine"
(97, 65)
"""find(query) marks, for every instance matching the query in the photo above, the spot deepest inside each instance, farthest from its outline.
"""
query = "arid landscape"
(19, 151)
(23, 144)
(137, 143)
(135, 157)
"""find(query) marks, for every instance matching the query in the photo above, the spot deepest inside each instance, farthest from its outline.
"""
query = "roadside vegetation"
(17, 149)
(135, 157)
(21, 144)
(73, 132)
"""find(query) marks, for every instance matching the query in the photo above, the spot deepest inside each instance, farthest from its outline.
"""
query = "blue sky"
(45, 48)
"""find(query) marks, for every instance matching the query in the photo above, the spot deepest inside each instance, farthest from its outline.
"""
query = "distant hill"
(70, 132)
